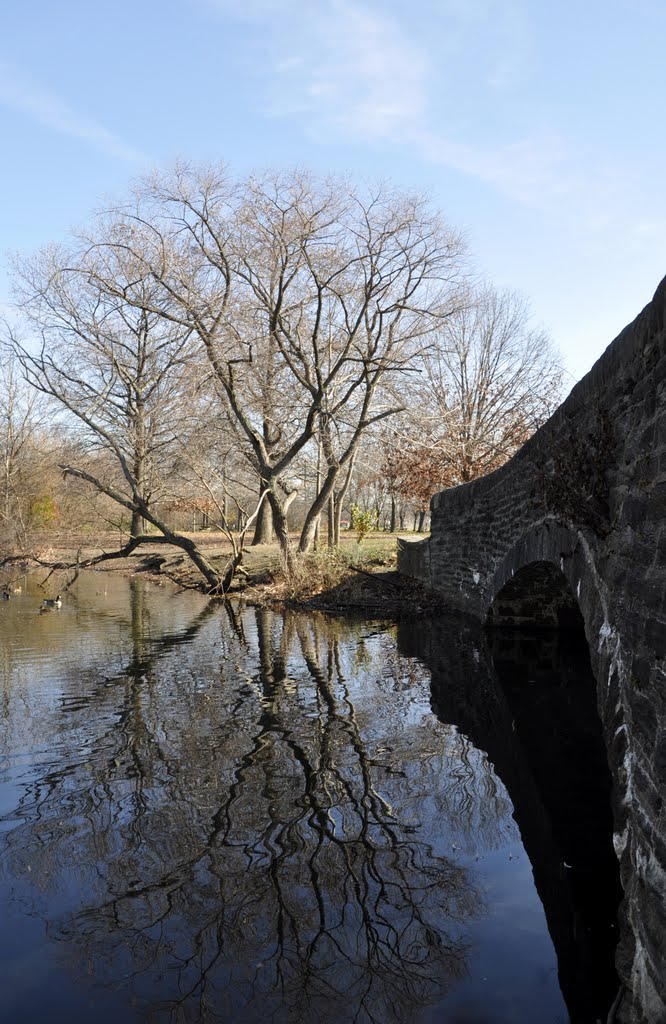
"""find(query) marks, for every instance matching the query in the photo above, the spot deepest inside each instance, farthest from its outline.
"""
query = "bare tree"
(486, 385)
(24, 449)
(493, 378)
(305, 295)
(121, 370)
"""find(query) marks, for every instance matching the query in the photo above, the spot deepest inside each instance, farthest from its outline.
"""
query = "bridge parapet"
(587, 496)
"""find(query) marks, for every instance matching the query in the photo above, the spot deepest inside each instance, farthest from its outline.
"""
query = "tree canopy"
(207, 326)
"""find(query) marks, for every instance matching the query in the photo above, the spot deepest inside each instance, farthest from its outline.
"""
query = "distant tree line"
(258, 354)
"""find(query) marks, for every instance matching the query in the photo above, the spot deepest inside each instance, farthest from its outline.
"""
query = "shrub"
(43, 511)
(363, 521)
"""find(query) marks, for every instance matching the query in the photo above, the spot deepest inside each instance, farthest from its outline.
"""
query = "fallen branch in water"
(76, 565)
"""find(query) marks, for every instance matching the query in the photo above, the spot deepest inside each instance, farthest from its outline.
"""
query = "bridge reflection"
(528, 699)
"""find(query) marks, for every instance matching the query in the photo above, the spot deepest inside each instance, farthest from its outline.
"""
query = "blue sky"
(537, 127)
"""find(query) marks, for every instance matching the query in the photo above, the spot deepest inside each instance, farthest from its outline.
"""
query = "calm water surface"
(212, 814)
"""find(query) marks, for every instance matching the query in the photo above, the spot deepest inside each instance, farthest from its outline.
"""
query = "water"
(224, 814)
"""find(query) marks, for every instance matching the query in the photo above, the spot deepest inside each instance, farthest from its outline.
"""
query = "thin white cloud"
(649, 229)
(20, 93)
(350, 69)
(340, 65)
(347, 69)
(531, 171)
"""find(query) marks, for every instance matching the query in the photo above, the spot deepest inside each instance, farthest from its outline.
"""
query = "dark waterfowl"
(53, 602)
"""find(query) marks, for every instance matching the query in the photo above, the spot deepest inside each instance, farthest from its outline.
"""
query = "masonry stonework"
(584, 501)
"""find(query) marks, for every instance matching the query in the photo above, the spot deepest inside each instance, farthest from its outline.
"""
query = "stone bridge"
(574, 526)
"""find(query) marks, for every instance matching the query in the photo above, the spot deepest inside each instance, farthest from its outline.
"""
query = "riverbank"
(356, 576)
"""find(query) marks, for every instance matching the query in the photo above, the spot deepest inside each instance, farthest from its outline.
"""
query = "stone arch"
(538, 595)
(547, 578)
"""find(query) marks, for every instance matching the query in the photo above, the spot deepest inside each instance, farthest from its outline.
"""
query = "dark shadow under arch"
(537, 596)
(546, 577)
(549, 687)
(528, 698)
(541, 659)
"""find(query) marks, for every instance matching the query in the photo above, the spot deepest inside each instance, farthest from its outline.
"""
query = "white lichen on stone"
(628, 771)
(620, 841)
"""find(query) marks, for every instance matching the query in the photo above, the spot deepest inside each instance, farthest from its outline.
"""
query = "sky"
(536, 127)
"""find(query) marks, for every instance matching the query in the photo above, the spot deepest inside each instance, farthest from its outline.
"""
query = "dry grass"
(324, 571)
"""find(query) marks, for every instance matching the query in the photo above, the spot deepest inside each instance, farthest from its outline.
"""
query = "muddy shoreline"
(360, 578)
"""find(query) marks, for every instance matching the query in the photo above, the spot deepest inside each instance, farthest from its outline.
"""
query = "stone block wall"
(587, 495)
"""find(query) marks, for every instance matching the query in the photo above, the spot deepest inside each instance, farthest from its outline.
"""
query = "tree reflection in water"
(244, 836)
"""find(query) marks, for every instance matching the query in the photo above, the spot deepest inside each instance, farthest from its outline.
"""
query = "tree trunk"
(315, 511)
(281, 527)
(422, 516)
(340, 497)
(317, 529)
(263, 530)
(326, 498)
(331, 520)
(393, 516)
(207, 570)
(138, 524)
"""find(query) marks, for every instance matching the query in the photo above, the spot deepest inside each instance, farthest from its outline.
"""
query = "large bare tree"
(286, 306)
(307, 296)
